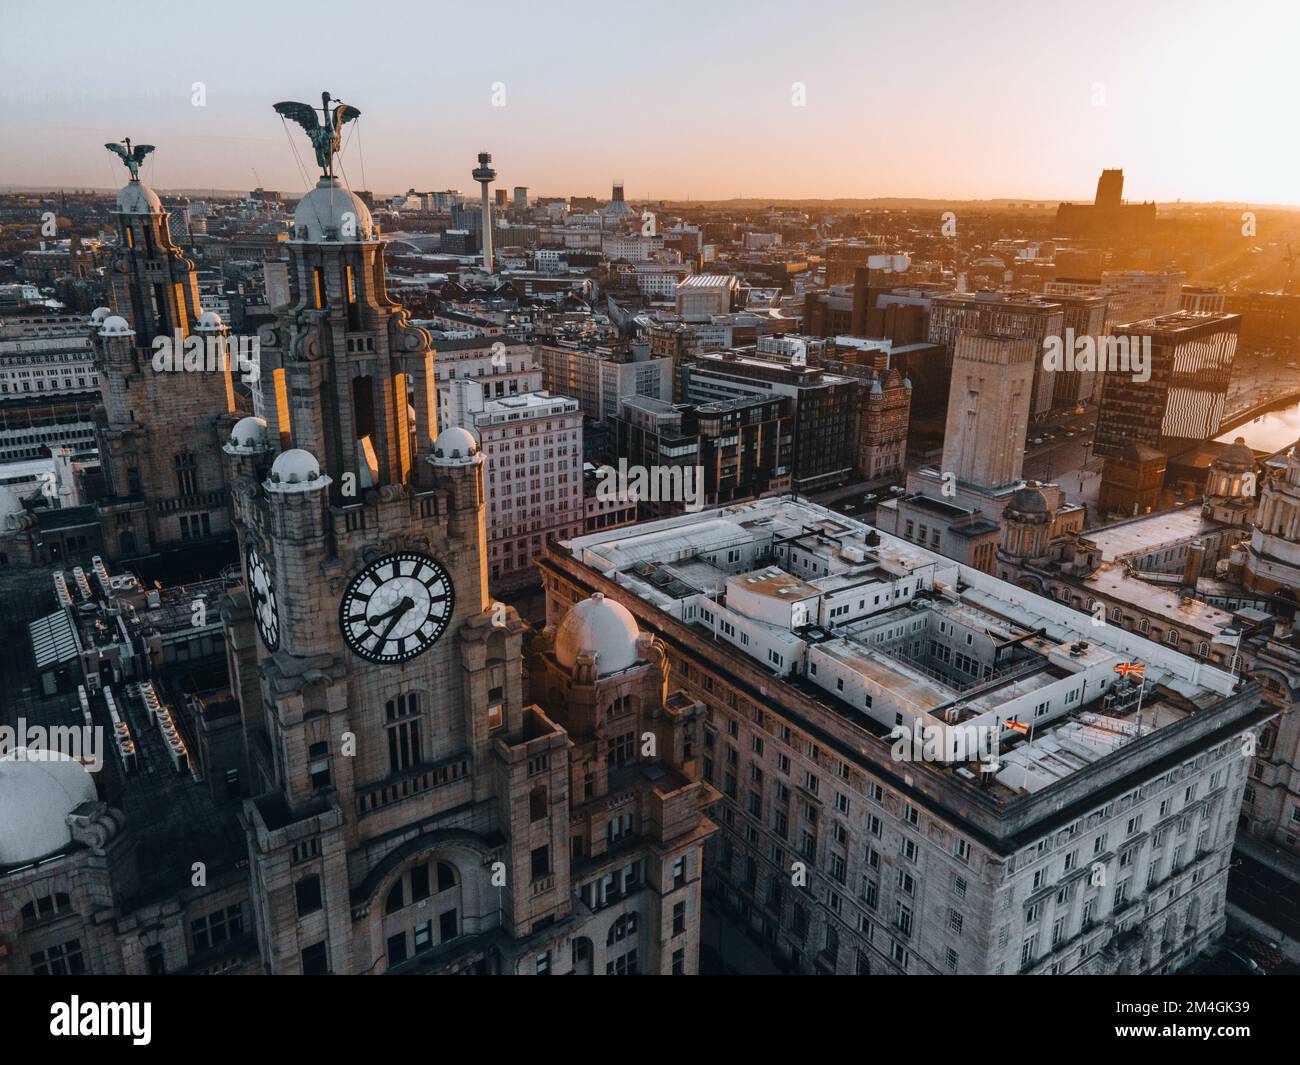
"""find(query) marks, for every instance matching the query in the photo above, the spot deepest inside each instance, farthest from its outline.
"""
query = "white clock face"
(397, 607)
(262, 593)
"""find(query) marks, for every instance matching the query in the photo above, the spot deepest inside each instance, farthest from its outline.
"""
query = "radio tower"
(485, 175)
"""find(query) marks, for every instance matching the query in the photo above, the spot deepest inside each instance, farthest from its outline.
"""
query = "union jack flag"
(1131, 669)
(1015, 726)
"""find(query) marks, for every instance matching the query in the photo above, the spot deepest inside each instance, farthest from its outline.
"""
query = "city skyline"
(591, 102)
(803, 490)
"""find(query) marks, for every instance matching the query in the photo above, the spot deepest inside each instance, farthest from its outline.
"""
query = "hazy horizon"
(1026, 103)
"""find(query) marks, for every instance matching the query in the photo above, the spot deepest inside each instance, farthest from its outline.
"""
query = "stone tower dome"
(600, 627)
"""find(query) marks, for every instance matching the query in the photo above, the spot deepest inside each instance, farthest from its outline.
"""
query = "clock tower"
(405, 808)
(157, 429)
(374, 682)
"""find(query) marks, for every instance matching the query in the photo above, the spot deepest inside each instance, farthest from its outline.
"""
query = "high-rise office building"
(600, 377)
(1007, 314)
(533, 455)
(1183, 397)
(826, 405)
(1083, 316)
(741, 448)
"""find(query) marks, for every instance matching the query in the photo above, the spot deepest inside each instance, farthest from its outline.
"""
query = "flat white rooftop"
(880, 629)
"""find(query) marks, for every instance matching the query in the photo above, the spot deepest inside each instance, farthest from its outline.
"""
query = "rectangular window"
(307, 894)
(396, 949)
(315, 961)
(404, 746)
(63, 960)
(319, 764)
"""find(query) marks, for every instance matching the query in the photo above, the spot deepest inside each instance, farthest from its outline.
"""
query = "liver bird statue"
(131, 157)
(325, 137)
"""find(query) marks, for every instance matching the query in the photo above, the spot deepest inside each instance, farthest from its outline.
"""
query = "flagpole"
(1141, 692)
(1028, 752)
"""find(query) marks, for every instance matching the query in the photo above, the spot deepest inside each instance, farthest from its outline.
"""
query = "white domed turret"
(209, 322)
(601, 627)
(116, 326)
(137, 198)
(331, 213)
(295, 470)
(98, 315)
(36, 797)
(455, 447)
(248, 436)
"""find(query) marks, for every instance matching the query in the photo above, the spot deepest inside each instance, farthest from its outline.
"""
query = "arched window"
(1144, 626)
(45, 906)
(621, 929)
(1171, 636)
(1202, 649)
(1116, 615)
(411, 929)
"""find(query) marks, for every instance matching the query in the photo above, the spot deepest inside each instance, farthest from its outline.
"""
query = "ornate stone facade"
(411, 809)
(158, 430)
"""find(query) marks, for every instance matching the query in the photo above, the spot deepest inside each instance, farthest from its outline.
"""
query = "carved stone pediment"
(303, 344)
(391, 544)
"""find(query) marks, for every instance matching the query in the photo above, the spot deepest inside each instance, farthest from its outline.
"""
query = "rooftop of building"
(738, 359)
(1139, 535)
(478, 343)
(1179, 324)
(1029, 301)
(525, 405)
(704, 282)
(872, 626)
(650, 405)
(1181, 612)
(85, 610)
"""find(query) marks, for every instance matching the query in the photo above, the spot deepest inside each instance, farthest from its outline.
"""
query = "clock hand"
(405, 605)
(401, 607)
